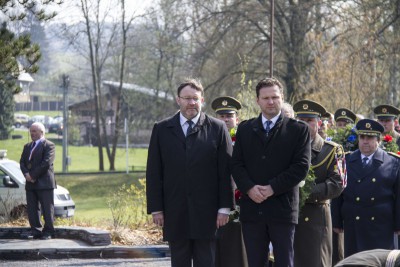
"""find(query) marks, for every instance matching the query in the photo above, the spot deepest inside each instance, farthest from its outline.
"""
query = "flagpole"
(271, 42)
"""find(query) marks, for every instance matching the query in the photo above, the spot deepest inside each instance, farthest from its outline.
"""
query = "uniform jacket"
(369, 208)
(188, 178)
(396, 136)
(281, 160)
(313, 236)
(40, 167)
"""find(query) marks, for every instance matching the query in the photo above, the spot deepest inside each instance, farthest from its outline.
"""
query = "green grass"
(90, 193)
(83, 158)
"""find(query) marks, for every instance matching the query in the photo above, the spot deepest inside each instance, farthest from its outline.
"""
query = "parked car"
(12, 191)
(57, 125)
(56, 128)
(46, 120)
(20, 120)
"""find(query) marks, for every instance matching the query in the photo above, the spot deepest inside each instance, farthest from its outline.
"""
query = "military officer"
(313, 235)
(386, 114)
(230, 249)
(226, 109)
(368, 210)
(344, 116)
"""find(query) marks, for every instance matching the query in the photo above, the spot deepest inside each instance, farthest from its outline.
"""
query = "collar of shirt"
(184, 120)
(369, 157)
(274, 119)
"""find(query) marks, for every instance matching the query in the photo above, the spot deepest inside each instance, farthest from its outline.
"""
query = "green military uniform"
(230, 250)
(313, 236)
(388, 112)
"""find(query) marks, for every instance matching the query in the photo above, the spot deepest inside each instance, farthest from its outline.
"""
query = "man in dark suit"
(368, 210)
(271, 157)
(37, 166)
(189, 190)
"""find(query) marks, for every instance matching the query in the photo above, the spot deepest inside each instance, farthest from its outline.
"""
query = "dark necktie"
(267, 126)
(190, 128)
(33, 145)
(365, 161)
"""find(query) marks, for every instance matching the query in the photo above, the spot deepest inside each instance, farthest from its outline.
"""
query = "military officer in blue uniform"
(368, 210)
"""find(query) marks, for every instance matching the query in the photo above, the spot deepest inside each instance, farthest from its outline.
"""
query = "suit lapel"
(316, 147)
(259, 130)
(175, 125)
(199, 124)
(377, 161)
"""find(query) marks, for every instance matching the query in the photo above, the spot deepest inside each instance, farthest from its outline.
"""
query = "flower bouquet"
(347, 137)
(389, 145)
(306, 187)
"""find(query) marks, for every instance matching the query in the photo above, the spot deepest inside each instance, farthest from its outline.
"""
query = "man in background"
(226, 109)
(344, 117)
(36, 164)
(386, 115)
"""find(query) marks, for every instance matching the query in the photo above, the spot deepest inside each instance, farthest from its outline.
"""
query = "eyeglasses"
(188, 99)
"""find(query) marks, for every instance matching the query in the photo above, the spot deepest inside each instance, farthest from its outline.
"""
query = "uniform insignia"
(305, 106)
(344, 113)
(384, 110)
(368, 125)
(224, 103)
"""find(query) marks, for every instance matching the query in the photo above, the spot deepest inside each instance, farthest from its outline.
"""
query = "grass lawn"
(91, 192)
(83, 158)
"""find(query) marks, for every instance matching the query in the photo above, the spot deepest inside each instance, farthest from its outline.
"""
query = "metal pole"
(127, 144)
(271, 42)
(65, 123)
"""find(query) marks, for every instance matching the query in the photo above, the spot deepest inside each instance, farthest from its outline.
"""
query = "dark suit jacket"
(188, 178)
(281, 160)
(40, 167)
(369, 207)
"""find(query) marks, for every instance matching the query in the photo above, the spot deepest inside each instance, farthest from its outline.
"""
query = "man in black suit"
(37, 166)
(271, 157)
(188, 182)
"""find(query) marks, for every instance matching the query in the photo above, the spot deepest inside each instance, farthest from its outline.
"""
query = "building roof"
(140, 89)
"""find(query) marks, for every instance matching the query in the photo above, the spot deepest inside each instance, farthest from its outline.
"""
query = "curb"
(110, 252)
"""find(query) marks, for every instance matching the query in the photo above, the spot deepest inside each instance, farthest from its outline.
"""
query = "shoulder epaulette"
(394, 155)
(331, 143)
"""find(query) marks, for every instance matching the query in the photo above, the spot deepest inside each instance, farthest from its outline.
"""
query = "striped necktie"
(267, 126)
(190, 128)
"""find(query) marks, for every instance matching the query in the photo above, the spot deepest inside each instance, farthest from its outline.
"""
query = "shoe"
(45, 237)
(32, 236)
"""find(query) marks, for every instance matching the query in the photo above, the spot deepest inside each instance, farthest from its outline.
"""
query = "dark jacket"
(369, 208)
(188, 178)
(40, 167)
(281, 160)
(313, 236)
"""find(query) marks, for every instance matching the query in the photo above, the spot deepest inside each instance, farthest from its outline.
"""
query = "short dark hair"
(268, 82)
(194, 83)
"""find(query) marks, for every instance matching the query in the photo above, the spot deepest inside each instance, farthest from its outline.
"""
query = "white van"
(12, 191)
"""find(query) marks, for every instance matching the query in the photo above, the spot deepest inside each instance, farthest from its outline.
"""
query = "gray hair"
(287, 110)
(40, 126)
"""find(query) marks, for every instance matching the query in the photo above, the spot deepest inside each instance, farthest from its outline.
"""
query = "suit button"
(260, 213)
(306, 219)
(358, 181)
(357, 199)
(372, 198)
(357, 218)
(372, 218)
(263, 157)
(373, 180)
